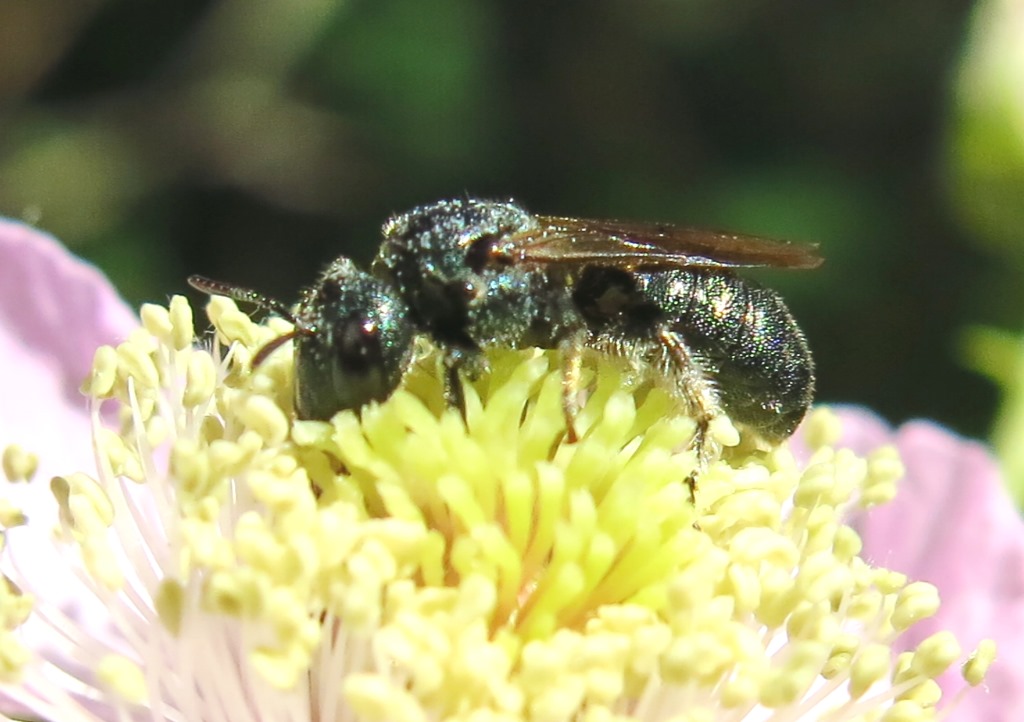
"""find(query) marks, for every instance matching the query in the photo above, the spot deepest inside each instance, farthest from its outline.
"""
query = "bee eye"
(358, 344)
(478, 254)
(481, 252)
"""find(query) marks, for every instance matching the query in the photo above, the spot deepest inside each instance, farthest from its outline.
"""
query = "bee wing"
(632, 245)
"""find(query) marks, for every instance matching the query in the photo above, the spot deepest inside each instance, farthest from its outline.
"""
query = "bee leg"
(700, 395)
(454, 396)
(459, 362)
(571, 352)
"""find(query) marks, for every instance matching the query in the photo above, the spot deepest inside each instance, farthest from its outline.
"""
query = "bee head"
(353, 344)
(353, 338)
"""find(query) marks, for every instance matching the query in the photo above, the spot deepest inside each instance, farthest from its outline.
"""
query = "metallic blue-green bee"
(476, 274)
(472, 275)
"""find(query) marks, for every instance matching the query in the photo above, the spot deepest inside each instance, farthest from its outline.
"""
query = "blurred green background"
(253, 140)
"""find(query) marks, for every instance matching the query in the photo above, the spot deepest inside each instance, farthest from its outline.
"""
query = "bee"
(472, 274)
(476, 274)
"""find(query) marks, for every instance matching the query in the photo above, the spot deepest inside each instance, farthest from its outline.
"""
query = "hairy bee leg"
(700, 395)
(699, 443)
(457, 364)
(571, 353)
(454, 363)
(454, 396)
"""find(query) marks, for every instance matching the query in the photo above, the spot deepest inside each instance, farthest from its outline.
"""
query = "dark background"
(253, 140)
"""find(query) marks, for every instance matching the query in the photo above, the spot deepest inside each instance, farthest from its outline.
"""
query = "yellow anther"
(181, 322)
(157, 320)
(135, 362)
(870, 666)
(101, 380)
(976, 666)
(200, 379)
(916, 601)
(18, 464)
(823, 428)
(124, 677)
(935, 654)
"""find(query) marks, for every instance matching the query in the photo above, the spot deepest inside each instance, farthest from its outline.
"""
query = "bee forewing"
(563, 240)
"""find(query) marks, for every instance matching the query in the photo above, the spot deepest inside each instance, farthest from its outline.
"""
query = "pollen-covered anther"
(403, 563)
(181, 323)
(232, 324)
(157, 320)
(86, 513)
(135, 361)
(865, 606)
(935, 654)
(926, 693)
(14, 657)
(722, 431)
(376, 699)
(103, 376)
(787, 682)
(85, 506)
(123, 677)
(916, 601)
(822, 428)
(190, 469)
(266, 418)
(976, 666)
(871, 665)
(906, 710)
(120, 455)
(19, 464)
(832, 483)
(200, 380)
(11, 515)
(169, 602)
(847, 544)
(885, 469)
(15, 606)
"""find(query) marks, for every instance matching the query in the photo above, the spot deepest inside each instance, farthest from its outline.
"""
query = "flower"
(406, 564)
(954, 525)
(54, 312)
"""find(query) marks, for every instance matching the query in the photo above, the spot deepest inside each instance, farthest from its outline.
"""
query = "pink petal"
(54, 312)
(954, 525)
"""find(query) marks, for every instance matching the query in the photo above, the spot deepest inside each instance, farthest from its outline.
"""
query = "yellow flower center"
(404, 563)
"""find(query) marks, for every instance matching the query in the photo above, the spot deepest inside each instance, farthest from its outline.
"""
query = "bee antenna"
(245, 295)
(275, 344)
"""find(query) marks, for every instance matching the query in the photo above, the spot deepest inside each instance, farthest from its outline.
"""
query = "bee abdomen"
(746, 340)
